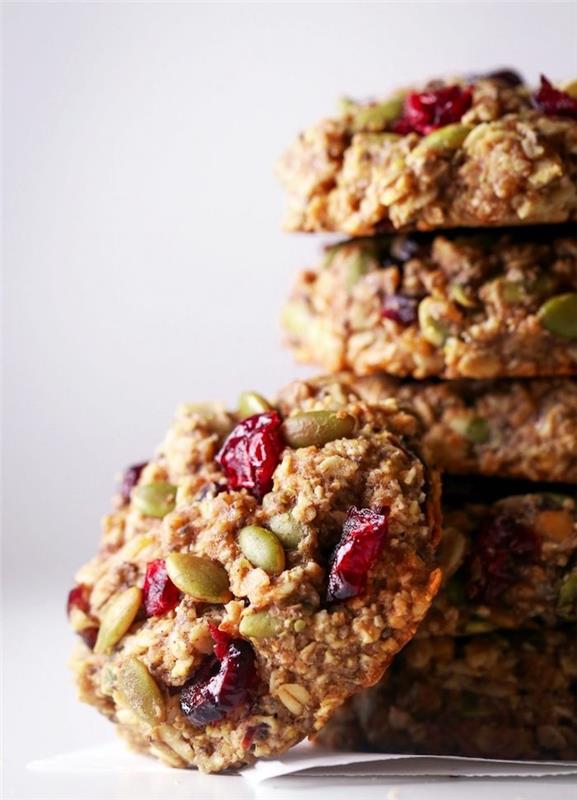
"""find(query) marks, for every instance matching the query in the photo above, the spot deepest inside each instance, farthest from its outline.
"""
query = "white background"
(144, 262)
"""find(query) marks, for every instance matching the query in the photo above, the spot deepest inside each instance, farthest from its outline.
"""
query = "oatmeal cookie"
(508, 696)
(507, 563)
(485, 151)
(523, 429)
(456, 305)
(257, 572)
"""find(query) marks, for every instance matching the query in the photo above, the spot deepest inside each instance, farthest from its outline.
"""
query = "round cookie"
(503, 428)
(456, 305)
(260, 570)
(500, 696)
(473, 152)
(507, 564)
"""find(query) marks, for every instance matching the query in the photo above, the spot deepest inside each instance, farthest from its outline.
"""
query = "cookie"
(504, 428)
(484, 151)
(456, 305)
(495, 696)
(509, 563)
(258, 571)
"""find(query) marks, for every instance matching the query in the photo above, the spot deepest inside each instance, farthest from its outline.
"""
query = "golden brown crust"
(503, 428)
(322, 652)
(507, 564)
(450, 306)
(511, 697)
(512, 165)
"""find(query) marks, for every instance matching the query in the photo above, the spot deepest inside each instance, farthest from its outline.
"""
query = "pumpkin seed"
(559, 315)
(262, 548)
(140, 691)
(117, 617)
(154, 499)
(204, 580)
(317, 428)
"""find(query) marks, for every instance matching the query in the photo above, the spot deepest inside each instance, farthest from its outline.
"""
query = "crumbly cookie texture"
(494, 696)
(474, 305)
(256, 573)
(505, 428)
(473, 153)
(507, 564)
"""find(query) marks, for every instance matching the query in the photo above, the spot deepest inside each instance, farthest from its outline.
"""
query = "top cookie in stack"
(484, 151)
(415, 294)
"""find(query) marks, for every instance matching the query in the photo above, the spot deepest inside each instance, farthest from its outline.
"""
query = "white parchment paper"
(309, 761)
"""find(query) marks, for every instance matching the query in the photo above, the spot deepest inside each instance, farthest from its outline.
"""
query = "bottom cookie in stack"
(493, 672)
(502, 695)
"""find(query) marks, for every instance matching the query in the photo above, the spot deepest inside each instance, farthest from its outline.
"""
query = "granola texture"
(501, 162)
(456, 305)
(503, 428)
(507, 564)
(310, 654)
(494, 696)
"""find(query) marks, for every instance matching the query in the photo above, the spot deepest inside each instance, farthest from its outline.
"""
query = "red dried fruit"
(78, 597)
(129, 480)
(399, 308)
(503, 547)
(364, 533)
(222, 682)
(553, 101)
(251, 453)
(424, 112)
(160, 593)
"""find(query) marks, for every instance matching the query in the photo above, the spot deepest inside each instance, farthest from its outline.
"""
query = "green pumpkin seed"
(567, 599)
(513, 292)
(259, 625)
(475, 429)
(317, 428)
(559, 315)
(449, 137)
(140, 691)
(462, 295)
(262, 548)
(434, 330)
(358, 265)
(117, 617)
(451, 551)
(251, 403)
(377, 116)
(154, 499)
(287, 529)
(204, 580)
(299, 625)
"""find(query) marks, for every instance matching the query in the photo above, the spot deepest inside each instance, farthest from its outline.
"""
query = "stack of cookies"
(261, 571)
(457, 296)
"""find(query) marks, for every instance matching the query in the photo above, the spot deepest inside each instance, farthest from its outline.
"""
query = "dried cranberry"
(553, 101)
(222, 682)
(78, 597)
(251, 453)
(502, 548)
(363, 537)
(399, 308)
(426, 111)
(506, 76)
(129, 480)
(160, 593)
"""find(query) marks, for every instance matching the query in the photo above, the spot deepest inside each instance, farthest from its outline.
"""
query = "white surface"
(144, 262)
